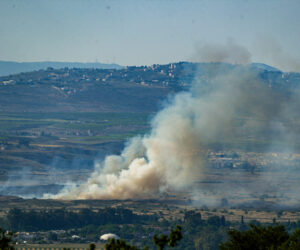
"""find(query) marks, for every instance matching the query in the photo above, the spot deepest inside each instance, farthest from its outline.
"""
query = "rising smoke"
(274, 54)
(231, 52)
(232, 109)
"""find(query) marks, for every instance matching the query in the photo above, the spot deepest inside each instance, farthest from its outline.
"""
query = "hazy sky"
(143, 32)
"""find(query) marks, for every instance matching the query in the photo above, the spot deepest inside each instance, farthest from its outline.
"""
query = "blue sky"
(144, 32)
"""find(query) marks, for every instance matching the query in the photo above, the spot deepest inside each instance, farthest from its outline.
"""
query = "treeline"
(210, 233)
(135, 229)
(19, 220)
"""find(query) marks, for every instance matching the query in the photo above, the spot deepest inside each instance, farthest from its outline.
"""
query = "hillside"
(131, 89)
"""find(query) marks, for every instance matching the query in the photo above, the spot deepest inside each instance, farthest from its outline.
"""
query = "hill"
(8, 67)
(130, 89)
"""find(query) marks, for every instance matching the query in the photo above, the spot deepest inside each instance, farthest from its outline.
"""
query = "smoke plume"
(231, 52)
(233, 110)
(271, 51)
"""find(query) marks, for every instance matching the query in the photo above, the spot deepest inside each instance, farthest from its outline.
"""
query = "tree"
(258, 237)
(172, 240)
(160, 241)
(293, 243)
(192, 219)
(119, 244)
(92, 246)
(210, 237)
(5, 240)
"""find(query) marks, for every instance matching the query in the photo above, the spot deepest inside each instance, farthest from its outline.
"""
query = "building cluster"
(66, 79)
(47, 237)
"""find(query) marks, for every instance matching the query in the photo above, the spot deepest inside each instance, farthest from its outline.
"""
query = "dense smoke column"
(230, 106)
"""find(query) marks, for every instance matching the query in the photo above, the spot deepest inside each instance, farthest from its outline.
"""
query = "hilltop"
(10, 67)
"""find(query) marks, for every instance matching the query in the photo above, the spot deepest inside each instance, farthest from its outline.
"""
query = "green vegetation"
(265, 238)
(70, 128)
(5, 240)
(171, 240)
(81, 121)
(18, 220)
(160, 241)
(58, 226)
(92, 246)
(119, 244)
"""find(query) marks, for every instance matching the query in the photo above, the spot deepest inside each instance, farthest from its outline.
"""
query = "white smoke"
(226, 109)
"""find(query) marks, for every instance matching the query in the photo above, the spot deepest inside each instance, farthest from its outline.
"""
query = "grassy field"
(70, 129)
(24, 122)
(36, 143)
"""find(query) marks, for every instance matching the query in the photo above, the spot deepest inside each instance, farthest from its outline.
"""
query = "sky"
(145, 32)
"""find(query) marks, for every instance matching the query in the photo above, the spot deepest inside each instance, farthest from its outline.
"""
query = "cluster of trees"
(19, 220)
(211, 233)
(204, 234)
(161, 241)
(273, 237)
(193, 219)
(5, 240)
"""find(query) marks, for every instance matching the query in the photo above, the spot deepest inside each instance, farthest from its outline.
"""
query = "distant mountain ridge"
(11, 67)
